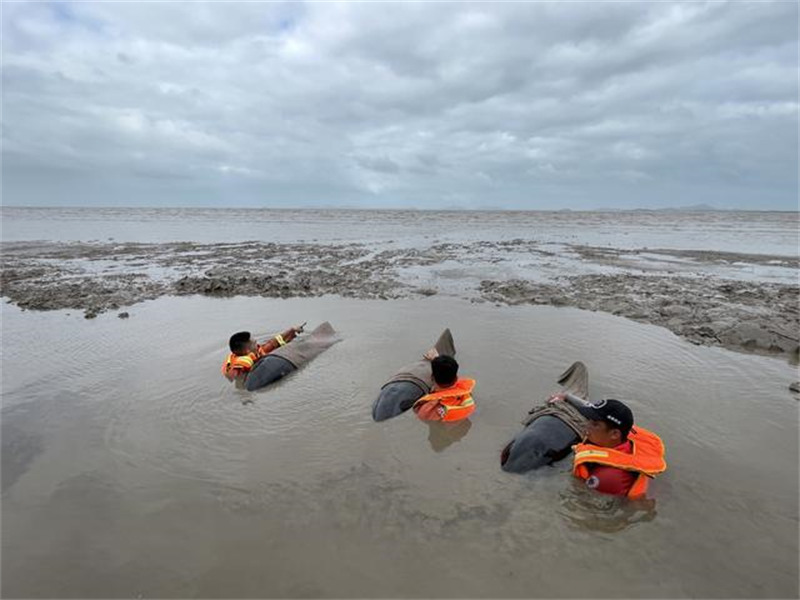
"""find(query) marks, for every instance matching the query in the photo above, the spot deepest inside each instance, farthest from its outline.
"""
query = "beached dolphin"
(410, 383)
(550, 430)
(282, 361)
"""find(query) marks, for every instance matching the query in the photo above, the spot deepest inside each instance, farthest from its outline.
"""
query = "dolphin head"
(395, 399)
(544, 441)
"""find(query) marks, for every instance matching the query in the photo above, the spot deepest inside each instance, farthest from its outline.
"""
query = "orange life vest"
(456, 401)
(647, 459)
(235, 365)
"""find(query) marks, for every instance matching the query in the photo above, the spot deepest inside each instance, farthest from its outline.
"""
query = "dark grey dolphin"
(268, 370)
(547, 437)
(410, 383)
(282, 361)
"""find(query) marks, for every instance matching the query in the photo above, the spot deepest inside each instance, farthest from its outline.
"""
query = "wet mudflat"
(684, 291)
(724, 279)
(131, 467)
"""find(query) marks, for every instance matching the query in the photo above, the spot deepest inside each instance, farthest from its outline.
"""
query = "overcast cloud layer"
(538, 105)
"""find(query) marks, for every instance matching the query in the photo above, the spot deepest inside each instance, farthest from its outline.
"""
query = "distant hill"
(691, 208)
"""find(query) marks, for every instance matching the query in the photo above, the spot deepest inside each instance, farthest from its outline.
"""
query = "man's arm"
(429, 411)
(279, 340)
(567, 397)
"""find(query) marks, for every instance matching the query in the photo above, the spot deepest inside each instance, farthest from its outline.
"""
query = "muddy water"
(130, 468)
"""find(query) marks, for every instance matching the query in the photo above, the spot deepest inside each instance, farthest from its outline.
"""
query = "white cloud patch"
(507, 105)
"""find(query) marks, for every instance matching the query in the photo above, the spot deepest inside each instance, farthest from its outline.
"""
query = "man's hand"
(560, 397)
(431, 354)
(300, 328)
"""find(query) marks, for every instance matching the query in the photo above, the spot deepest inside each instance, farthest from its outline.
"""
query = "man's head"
(610, 421)
(241, 343)
(445, 371)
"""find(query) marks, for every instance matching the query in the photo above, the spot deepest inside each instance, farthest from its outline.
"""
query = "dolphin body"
(546, 438)
(410, 383)
(286, 359)
(268, 370)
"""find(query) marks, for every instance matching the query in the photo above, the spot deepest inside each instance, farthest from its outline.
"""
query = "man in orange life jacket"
(451, 397)
(246, 352)
(616, 457)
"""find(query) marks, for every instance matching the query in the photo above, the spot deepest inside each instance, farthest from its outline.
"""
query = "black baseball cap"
(614, 412)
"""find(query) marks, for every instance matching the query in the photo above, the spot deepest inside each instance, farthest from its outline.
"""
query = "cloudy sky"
(505, 105)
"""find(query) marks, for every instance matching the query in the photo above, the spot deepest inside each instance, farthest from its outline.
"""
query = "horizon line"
(698, 208)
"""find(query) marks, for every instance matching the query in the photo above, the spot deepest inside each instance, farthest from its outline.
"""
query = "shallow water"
(745, 232)
(130, 467)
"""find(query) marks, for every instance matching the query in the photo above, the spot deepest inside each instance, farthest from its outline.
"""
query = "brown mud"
(94, 277)
(760, 318)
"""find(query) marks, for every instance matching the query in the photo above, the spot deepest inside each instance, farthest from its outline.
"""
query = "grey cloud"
(536, 105)
(381, 164)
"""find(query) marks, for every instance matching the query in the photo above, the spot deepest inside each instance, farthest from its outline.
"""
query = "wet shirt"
(611, 480)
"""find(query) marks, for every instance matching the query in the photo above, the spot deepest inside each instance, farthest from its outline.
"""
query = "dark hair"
(238, 342)
(445, 370)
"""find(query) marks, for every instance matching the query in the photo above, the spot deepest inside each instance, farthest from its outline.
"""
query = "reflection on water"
(20, 448)
(586, 509)
(144, 474)
(444, 435)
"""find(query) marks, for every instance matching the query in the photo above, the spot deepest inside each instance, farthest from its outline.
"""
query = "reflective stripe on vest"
(456, 400)
(280, 340)
(457, 412)
(235, 362)
(647, 459)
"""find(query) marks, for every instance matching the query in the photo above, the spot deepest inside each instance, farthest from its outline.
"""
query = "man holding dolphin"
(615, 458)
(246, 352)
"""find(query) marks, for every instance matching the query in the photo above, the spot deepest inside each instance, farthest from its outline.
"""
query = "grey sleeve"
(575, 400)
